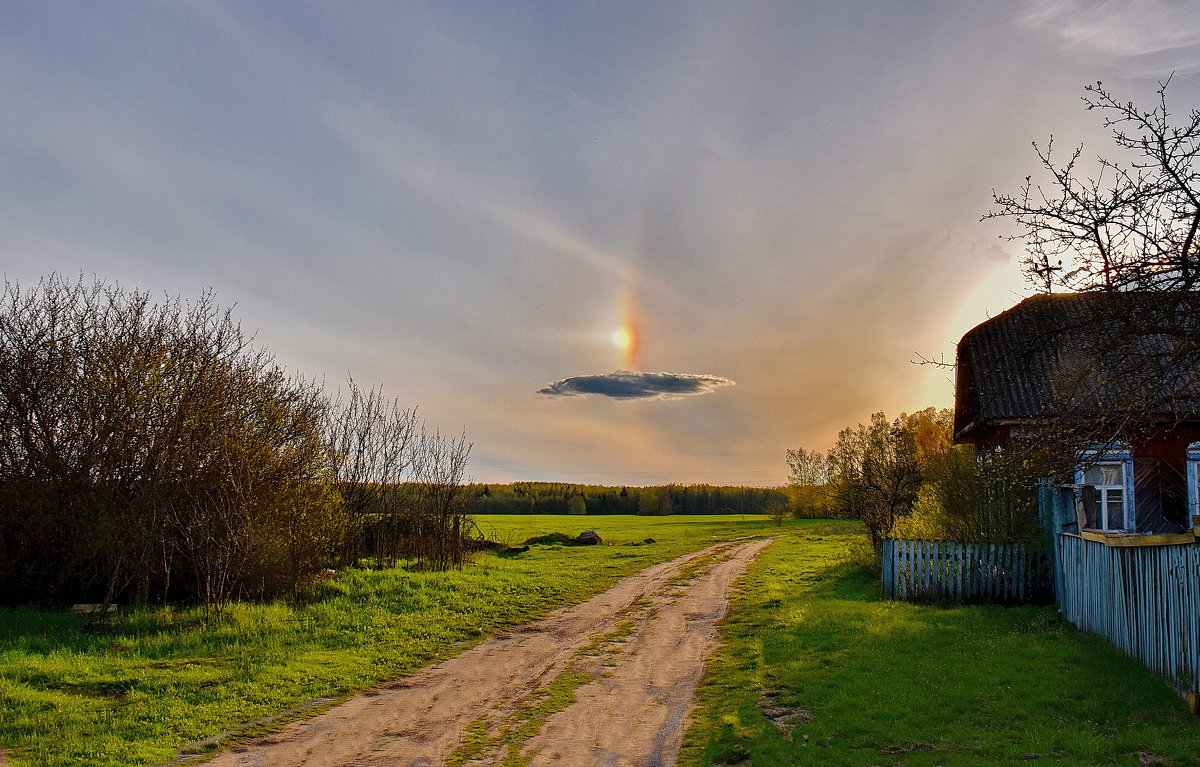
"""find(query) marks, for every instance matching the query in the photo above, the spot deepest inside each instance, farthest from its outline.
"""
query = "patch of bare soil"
(632, 656)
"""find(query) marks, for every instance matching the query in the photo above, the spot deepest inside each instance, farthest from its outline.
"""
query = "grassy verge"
(817, 670)
(148, 682)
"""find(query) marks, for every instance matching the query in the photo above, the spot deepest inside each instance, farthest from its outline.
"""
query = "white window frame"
(1124, 457)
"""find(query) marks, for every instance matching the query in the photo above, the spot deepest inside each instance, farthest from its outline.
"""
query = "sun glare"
(623, 339)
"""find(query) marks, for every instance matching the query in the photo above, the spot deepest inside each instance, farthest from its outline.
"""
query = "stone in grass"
(90, 609)
(589, 538)
(784, 717)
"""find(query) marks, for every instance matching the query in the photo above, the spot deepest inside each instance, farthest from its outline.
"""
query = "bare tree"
(1130, 225)
(440, 504)
(402, 486)
(371, 443)
(1126, 361)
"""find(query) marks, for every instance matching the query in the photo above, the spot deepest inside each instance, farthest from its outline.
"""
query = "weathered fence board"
(947, 571)
(1143, 599)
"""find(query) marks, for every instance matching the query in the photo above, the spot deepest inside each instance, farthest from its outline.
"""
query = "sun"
(623, 339)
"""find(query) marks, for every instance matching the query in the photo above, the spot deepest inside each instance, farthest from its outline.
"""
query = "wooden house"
(1122, 369)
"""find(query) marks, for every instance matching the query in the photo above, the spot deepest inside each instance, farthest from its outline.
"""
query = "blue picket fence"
(947, 571)
(1143, 599)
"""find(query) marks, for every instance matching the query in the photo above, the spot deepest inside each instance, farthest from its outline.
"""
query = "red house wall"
(1160, 478)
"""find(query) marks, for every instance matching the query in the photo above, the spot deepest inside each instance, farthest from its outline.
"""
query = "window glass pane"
(1104, 474)
(1115, 501)
(1091, 508)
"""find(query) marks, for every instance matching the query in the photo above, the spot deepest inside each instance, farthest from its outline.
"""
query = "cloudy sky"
(491, 207)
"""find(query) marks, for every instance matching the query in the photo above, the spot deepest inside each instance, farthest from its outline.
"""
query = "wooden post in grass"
(1055, 507)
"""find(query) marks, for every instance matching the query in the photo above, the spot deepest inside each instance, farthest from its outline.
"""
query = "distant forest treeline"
(561, 498)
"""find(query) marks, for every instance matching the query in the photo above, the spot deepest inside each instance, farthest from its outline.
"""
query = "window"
(1107, 481)
(1108, 490)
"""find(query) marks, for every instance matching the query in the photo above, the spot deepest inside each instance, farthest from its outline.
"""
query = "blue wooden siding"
(946, 571)
(1143, 599)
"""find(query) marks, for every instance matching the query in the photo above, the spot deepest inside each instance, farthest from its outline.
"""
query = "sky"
(613, 242)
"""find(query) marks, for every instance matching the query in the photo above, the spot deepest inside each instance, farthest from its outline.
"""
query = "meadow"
(851, 679)
(854, 680)
(137, 687)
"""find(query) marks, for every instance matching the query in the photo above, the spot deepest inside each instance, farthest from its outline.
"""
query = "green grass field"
(860, 681)
(135, 690)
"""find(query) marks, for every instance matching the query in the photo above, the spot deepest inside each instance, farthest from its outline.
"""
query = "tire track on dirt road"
(635, 654)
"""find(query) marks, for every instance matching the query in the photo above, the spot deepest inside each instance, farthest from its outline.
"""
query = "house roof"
(1081, 353)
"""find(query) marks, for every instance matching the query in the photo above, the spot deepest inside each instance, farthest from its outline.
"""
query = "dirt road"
(631, 657)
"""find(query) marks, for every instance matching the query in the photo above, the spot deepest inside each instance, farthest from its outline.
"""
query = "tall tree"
(874, 474)
(808, 477)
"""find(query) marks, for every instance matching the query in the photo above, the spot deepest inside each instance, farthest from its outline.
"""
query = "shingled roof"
(1089, 352)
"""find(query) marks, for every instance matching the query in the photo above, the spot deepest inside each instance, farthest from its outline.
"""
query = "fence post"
(889, 555)
(1051, 527)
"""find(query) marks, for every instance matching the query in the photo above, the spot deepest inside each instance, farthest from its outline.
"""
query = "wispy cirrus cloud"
(1160, 33)
(624, 384)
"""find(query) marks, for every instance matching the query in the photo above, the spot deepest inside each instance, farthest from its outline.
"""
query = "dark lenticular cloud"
(624, 384)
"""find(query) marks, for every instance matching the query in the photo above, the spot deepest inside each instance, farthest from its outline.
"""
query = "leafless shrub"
(371, 444)
(441, 504)
(149, 450)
